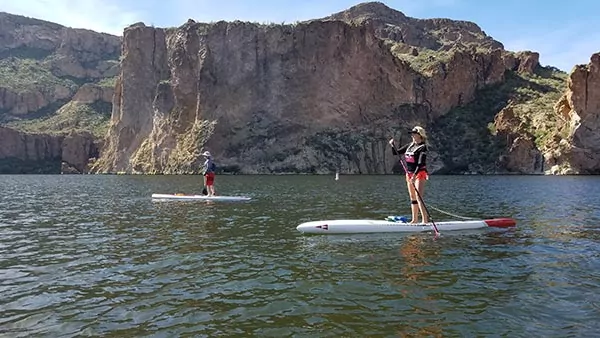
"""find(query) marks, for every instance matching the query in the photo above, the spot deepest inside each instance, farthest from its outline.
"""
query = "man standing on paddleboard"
(209, 174)
(415, 156)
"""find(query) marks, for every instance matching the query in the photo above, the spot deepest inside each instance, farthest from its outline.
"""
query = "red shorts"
(210, 178)
(421, 175)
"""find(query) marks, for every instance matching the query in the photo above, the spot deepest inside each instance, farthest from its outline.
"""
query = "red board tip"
(501, 222)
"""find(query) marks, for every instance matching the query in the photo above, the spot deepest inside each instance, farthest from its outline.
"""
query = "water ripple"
(93, 255)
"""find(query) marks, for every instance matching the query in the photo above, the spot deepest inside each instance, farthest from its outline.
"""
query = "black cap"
(417, 130)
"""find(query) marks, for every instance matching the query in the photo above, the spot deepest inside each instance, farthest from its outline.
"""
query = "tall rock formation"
(579, 109)
(560, 138)
(57, 83)
(432, 34)
(43, 65)
(316, 96)
(23, 153)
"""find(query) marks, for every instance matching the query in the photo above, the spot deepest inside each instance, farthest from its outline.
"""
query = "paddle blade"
(204, 191)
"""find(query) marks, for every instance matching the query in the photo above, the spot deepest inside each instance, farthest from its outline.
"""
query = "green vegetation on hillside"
(534, 105)
(465, 136)
(21, 75)
(71, 117)
(30, 75)
(182, 159)
(427, 60)
(424, 61)
(41, 72)
(108, 82)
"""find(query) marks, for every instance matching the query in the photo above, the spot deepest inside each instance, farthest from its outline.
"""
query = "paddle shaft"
(420, 198)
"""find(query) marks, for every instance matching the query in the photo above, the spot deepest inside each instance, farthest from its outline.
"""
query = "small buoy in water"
(337, 176)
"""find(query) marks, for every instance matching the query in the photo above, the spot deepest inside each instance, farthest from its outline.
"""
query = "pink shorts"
(421, 175)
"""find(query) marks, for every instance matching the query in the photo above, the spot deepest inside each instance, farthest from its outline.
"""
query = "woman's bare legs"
(414, 207)
(420, 184)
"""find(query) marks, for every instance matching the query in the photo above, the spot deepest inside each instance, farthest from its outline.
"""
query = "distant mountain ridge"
(433, 34)
(57, 82)
(318, 96)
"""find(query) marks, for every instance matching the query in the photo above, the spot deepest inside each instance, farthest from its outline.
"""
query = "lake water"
(94, 255)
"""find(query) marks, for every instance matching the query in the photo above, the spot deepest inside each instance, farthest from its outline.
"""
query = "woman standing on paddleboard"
(209, 174)
(415, 156)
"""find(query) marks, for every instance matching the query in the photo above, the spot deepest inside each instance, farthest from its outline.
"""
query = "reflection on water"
(93, 255)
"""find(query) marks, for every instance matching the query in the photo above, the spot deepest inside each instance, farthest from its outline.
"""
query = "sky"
(564, 33)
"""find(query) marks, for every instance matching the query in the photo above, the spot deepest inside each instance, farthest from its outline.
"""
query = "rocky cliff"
(430, 34)
(316, 96)
(24, 153)
(44, 66)
(578, 110)
(57, 83)
(550, 128)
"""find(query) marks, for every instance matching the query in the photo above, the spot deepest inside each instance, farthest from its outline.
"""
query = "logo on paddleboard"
(324, 227)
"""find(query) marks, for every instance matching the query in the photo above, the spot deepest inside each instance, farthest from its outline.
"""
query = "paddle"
(204, 191)
(437, 233)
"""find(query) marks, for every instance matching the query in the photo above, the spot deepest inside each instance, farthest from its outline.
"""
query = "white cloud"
(105, 16)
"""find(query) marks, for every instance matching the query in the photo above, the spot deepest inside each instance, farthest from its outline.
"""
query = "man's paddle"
(204, 191)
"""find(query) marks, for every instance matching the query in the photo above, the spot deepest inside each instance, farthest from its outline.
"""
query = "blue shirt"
(209, 166)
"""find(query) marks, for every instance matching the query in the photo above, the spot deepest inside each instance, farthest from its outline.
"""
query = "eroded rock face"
(42, 153)
(77, 149)
(316, 96)
(47, 63)
(522, 62)
(571, 144)
(78, 53)
(26, 146)
(522, 155)
(433, 34)
(580, 106)
(90, 93)
(21, 103)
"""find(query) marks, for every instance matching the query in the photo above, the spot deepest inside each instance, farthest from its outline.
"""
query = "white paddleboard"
(352, 226)
(199, 197)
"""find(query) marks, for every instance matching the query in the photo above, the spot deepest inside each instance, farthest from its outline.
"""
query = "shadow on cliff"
(15, 166)
(464, 136)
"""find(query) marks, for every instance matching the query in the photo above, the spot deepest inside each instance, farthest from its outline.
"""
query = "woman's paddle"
(437, 233)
